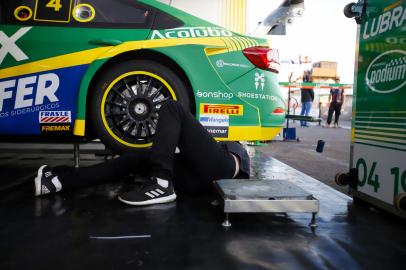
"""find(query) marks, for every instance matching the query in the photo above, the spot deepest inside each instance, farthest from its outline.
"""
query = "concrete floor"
(91, 229)
(302, 155)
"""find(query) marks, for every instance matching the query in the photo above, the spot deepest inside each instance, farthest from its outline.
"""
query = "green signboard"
(379, 123)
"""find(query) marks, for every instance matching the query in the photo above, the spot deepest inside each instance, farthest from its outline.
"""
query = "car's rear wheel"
(126, 100)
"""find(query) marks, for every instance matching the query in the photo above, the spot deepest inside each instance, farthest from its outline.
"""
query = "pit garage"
(82, 83)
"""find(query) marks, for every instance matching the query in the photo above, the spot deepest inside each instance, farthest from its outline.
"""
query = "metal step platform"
(265, 196)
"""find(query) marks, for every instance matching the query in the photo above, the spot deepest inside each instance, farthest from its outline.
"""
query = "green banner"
(379, 122)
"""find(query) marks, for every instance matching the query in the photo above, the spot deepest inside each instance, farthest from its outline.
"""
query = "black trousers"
(201, 159)
(335, 107)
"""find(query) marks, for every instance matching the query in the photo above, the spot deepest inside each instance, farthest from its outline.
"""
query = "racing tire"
(400, 201)
(126, 99)
(342, 179)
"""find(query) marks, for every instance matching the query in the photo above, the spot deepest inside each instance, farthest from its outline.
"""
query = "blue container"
(289, 133)
(320, 146)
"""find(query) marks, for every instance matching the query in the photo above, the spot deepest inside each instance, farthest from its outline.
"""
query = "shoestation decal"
(191, 32)
(387, 72)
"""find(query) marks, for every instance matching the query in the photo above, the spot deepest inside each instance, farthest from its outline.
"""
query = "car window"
(113, 12)
(82, 13)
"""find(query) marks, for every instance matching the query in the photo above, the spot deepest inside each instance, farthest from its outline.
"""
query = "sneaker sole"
(166, 199)
(37, 181)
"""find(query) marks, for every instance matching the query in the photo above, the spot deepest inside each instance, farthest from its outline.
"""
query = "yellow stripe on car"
(88, 56)
(79, 128)
(237, 133)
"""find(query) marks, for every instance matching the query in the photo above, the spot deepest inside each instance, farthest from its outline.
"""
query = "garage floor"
(90, 229)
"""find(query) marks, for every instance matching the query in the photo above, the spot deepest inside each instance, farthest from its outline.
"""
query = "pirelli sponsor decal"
(223, 109)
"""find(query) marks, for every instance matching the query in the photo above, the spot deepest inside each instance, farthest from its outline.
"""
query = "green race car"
(84, 69)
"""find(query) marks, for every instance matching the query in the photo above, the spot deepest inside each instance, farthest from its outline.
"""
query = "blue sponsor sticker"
(23, 98)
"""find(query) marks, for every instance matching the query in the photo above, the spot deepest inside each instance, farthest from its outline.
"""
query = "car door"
(46, 48)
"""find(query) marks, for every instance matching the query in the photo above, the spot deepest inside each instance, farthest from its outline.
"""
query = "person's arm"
(343, 96)
(330, 97)
(312, 94)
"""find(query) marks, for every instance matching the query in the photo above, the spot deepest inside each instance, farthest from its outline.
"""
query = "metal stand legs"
(313, 223)
(226, 223)
(76, 154)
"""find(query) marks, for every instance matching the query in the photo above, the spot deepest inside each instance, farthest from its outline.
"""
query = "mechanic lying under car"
(200, 161)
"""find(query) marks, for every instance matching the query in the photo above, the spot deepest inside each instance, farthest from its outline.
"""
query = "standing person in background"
(307, 95)
(336, 100)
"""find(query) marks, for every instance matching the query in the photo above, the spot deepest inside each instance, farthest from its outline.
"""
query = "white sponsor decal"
(48, 117)
(19, 112)
(218, 132)
(220, 63)
(191, 32)
(260, 80)
(8, 45)
(29, 91)
(250, 95)
(385, 22)
(215, 94)
(387, 72)
(215, 120)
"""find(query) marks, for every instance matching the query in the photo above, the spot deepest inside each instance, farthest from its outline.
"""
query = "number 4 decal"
(55, 4)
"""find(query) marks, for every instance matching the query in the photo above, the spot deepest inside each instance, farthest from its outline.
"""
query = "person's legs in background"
(330, 114)
(337, 110)
(307, 107)
(302, 113)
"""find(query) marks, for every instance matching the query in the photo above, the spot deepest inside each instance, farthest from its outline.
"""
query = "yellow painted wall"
(233, 14)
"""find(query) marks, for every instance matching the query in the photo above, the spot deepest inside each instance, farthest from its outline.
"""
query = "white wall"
(257, 10)
(208, 10)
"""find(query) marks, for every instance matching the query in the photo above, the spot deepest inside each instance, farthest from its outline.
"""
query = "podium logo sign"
(387, 72)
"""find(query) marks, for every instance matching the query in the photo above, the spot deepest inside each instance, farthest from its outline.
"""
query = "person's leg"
(51, 180)
(200, 161)
(308, 106)
(113, 169)
(178, 128)
(338, 113)
(303, 112)
(330, 113)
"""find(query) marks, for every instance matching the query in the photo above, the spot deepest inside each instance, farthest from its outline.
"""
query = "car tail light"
(263, 58)
(278, 111)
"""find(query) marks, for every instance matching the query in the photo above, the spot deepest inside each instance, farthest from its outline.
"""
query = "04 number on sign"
(368, 176)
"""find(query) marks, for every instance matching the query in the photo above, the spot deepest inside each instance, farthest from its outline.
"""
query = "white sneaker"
(153, 192)
(46, 182)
